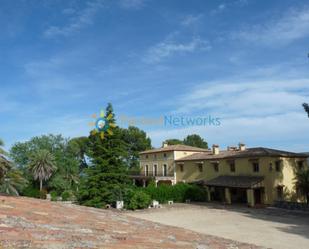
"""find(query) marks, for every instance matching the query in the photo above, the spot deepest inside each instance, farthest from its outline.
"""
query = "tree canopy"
(306, 107)
(106, 179)
(42, 166)
(191, 140)
(136, 141)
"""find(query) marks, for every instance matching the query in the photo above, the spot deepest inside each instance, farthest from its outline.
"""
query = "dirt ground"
(32, 223)
(272, 228)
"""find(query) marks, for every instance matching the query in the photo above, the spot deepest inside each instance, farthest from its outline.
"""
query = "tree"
(66, 154)
(306, 107)
(191, 140)
(173, 141)
(302, 183)
(110, 111)
(79, 147)
(2, 151)
(195, 141)
(106, 179)
(13, 182)
(5, 165)
(137, 141)
(42, 166)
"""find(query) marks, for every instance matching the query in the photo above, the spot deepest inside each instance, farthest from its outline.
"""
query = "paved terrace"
(32, 223)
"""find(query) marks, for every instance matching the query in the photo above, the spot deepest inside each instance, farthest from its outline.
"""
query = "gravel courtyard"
(272, 228)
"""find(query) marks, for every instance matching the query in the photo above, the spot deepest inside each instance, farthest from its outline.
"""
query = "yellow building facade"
(236, 175)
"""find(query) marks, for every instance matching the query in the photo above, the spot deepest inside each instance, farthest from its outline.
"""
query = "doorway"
(257, 196)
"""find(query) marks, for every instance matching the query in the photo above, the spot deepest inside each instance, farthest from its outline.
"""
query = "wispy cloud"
(220, 8)
(283, 131)
(257, 108)
(166, 49)
(291, 26)
(247, 97)
(189, 20)
(79, 21)
(132, 4)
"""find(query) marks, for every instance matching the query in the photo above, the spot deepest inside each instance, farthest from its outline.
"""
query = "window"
(300, 165)
(278, 166)
(232, 166)
(270, 167)
(181, 168)
(146, 156)
(256, 167)
(216, 167)
(164, 155)
(164, 170)
(280, 192)
(146, 170)
(200, 167)
(155, 170)
(155, 156)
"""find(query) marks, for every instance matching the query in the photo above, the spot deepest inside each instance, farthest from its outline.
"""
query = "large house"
(237, 174)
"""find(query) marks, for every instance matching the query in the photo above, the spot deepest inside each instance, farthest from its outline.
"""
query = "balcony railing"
(151, 173)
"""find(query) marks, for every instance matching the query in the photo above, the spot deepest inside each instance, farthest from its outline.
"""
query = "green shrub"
(177, 193)
(66, 195)
(196, 193)
(139, 200)
(53, 195)
(31, 191)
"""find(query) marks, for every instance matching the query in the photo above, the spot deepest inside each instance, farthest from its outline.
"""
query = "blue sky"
(244, 61)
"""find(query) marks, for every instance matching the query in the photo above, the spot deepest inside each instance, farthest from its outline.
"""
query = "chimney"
(242, 146)
(165, 144)
(232, 148)
(215, 149)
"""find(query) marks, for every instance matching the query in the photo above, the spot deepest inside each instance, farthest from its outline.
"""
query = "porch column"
(208, 194)
(250, 197)
(156, 182)
(134, 182)
(144, 183)
(227, 194)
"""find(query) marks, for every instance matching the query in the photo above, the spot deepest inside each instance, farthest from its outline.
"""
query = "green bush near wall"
(53, 195)
(31, 191)
(177, 193)
(139, 200)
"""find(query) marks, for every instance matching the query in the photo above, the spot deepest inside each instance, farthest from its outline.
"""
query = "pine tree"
(106, 180)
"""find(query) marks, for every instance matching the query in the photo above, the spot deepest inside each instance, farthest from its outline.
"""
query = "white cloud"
(189, 20)
(82, 19)
(220, 8)
(168, 48)
(291, 26)
(265, 111)
(284, 131)
(247, 97)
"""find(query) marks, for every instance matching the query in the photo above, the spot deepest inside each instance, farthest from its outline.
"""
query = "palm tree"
(42, 165)
(302, 182)
(5, 165)
(12, 182)
(2, 151)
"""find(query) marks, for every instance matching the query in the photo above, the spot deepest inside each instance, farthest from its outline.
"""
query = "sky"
(242, 61)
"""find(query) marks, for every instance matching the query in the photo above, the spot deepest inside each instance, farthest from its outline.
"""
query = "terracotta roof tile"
(177, 147)
(250, 152)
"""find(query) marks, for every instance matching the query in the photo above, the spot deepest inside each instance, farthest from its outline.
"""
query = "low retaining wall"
(292, 205)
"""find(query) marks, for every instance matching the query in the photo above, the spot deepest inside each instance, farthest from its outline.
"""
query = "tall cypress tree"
(106, 180)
